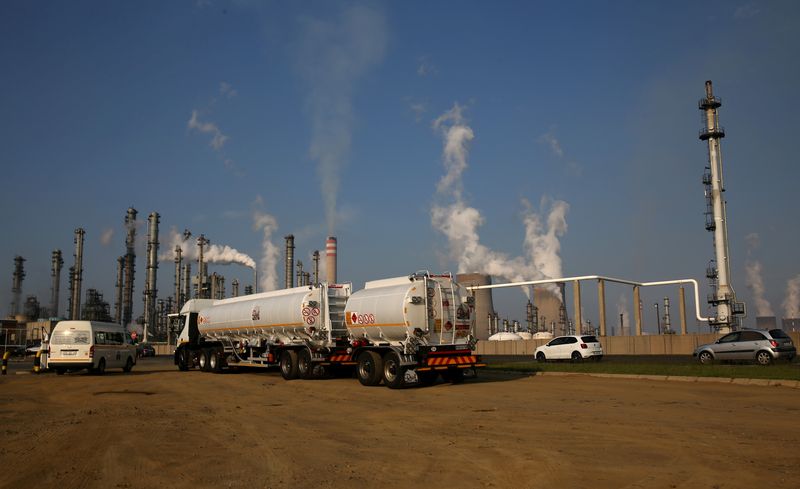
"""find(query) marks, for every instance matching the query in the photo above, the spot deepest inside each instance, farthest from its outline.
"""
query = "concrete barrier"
(618, 345)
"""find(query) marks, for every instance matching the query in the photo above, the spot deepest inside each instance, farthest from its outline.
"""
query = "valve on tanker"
(415, 300)
(419, 333)
(313, 304)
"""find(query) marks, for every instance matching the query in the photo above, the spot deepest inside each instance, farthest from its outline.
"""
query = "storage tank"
(288, 315)
(505, 336)
(433, 309)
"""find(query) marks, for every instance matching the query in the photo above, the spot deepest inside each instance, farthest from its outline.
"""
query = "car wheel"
(763, 357)
(705, 358)
(576, 357)
(540, 357)
(128, 365)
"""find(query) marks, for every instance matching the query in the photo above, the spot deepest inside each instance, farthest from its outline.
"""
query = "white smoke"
(334, 54)
(753, 278)
(217, 138)
(791, 305)
(268, 266)
(460, 222)
(105, 238)
(213, 253)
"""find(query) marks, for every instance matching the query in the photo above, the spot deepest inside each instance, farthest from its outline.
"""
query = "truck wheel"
(289, 364)
(202, 360)
(453, 375)
(305, 369)
(215, 360)
(370, 368)
(394, 376)
(183, 360)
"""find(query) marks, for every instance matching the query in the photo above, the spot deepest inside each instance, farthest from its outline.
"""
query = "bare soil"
(160, 427)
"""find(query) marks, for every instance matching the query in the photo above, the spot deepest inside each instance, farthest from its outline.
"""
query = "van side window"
(100, 338)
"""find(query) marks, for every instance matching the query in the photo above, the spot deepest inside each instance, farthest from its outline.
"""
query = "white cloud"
(227, 90)
(426, 67)
(105, 238)
(217, 138)
(746, 11)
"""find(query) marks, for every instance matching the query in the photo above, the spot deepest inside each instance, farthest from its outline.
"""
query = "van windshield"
(72, 338)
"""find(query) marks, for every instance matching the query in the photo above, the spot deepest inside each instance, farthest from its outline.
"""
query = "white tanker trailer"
(395, 331)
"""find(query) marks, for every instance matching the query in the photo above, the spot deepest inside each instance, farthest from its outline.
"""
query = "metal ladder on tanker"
(336, 306)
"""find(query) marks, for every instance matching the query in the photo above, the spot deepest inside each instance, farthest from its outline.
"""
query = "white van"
(75, 345)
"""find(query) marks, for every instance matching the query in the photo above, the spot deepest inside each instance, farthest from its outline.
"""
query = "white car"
(575, 348)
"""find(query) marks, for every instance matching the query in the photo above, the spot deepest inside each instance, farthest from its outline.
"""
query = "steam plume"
(268, 266)
(335, 54)
(459, 222)
(791, 305)
(214, 253)
(756, 286)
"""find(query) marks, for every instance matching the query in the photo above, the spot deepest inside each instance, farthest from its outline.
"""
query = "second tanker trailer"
(395, 331)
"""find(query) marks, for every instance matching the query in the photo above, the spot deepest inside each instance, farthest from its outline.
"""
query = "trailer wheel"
(370, 368)
(289, 364)
(394, 376)
(453, 375)
(427, 378)
(305, 369)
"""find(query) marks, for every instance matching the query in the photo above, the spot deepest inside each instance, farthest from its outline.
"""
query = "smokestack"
(119, 292)
(78, 276)
(330, 251)
(235, 288)
(130, 266)
(150, 286)
(55, 288)
(16, 285)
(723, 298)
(187, 282)
(316, 266)
(178, 290)
(289, 263)
(202, 275)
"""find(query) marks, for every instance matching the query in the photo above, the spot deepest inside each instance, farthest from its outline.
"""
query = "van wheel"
(101, 367)
(394, 376)
(370, 368)
(128, 365)
(289, 364)
(305, 369)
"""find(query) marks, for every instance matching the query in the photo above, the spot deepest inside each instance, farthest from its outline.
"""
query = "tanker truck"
(396, 331)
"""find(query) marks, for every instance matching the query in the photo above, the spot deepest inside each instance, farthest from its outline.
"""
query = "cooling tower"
(550, 308)
(483, 302)
(330, 252)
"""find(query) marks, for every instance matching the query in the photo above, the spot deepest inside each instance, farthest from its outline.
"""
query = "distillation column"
(150, 290)
(55, 288)
(78, 274)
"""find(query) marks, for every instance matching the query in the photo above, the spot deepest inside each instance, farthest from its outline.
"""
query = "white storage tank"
(505, 336)
(432, 308)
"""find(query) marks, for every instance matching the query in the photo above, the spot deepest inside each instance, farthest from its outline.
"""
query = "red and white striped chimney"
(330, 253)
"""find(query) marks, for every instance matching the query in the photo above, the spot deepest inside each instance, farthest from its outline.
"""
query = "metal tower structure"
(55, 288)
(150, 287)
(78, 274)
(723, 298)
(289, 261)
(178, 289)
(16, 285)
(130, 265)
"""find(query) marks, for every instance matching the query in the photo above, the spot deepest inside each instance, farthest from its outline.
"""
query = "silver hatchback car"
(760, 345)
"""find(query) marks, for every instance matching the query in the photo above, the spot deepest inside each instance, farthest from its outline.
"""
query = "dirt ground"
(160, 427)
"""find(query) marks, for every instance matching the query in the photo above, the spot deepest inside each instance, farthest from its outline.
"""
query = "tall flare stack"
(130, 265)
(120, 287)
(150, 290)
(723, 298)
(178, 304)
(78, 274)
(16, 284)
(289, 262)
(203, 289)
(330, 255)
(55, 288)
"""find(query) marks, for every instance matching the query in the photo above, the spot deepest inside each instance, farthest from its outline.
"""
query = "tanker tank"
(419, 309)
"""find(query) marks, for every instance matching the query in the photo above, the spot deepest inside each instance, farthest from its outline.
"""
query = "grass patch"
(784, 371)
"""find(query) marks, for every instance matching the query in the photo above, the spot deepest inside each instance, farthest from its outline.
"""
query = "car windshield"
(778, 333)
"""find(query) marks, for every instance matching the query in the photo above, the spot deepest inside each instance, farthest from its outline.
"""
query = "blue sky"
(211, 112)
